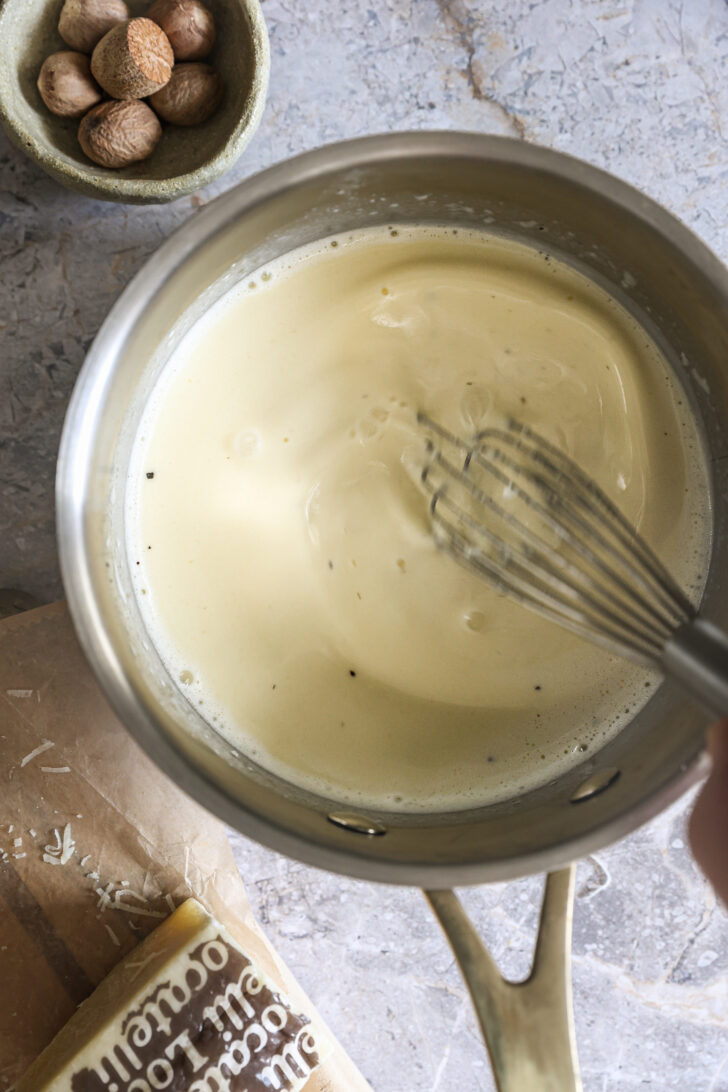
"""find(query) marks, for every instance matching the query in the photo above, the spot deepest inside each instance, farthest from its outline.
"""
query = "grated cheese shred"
(44, 746)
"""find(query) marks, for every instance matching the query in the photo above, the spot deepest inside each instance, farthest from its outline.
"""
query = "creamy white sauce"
(282, 554)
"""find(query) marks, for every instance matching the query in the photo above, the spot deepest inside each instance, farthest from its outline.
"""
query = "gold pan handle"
(528, 1026)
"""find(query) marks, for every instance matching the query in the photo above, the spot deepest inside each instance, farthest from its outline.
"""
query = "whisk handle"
(697, 657)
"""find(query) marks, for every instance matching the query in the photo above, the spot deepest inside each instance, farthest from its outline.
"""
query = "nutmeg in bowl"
(185, 159)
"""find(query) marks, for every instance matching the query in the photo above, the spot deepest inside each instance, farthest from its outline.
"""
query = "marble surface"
(636, 86)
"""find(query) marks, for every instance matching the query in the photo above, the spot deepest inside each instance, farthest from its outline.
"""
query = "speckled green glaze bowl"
(185, 160)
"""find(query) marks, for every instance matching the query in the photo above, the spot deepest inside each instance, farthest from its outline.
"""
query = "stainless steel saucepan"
(620, 238)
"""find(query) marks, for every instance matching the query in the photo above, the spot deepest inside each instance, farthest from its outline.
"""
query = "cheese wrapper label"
(188, 1008)
(112, 881)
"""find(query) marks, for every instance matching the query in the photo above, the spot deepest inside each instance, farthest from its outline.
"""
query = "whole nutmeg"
(133, 60)
(83, 23)
(66, 84)
(115, 134)
(189, 26)
(192, 95)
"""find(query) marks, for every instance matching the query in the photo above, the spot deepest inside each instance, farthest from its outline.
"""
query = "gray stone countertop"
(639, 87)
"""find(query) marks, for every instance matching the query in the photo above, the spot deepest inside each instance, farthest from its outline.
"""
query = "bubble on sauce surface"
(367, 429)
(474, 620)
(475, 404)
(372, 426)
(247, 444)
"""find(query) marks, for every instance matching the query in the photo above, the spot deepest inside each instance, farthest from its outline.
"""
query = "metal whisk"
(521, 514)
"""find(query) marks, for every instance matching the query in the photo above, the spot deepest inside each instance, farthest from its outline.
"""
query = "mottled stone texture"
(650, 964)
(639, 87)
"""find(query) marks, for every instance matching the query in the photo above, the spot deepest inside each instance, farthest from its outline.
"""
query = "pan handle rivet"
(595, 784)
(357, 823)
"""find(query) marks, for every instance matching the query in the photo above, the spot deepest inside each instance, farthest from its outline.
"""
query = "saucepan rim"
(77, 445)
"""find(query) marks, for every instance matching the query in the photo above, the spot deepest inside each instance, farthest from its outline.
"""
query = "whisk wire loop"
(515, 509)
(547, 568)
(524, 590)
(595, 502)
(573, 528)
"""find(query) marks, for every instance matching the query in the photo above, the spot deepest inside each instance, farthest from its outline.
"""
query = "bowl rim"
(145, 190)
(77, 444)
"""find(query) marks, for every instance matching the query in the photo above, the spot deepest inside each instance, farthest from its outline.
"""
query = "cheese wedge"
(187, 1009)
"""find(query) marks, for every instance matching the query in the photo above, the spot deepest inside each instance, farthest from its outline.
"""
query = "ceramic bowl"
(186, 159)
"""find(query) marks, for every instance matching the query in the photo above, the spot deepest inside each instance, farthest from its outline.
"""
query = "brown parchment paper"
(96, 848)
